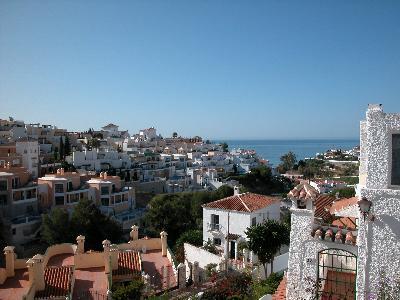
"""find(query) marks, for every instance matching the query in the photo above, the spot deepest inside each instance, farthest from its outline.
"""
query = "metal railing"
(214, 226)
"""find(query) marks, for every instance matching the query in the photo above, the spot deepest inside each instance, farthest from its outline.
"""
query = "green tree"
(224, 147)
(86, 219)
(346, 192)
(174, 135)
(261, 181)
(56, 227)
(128, 291)
(266, 239)
(56, 154)
(62, 148)
(180, 212)
(288, 161)
(94, 143)
(67, 146)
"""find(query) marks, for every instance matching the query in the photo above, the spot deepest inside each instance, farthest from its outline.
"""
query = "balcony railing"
(214, 227)
(22, 220)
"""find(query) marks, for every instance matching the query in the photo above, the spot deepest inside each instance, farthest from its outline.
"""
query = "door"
(232, 253)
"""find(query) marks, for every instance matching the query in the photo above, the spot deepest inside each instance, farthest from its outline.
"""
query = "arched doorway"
(337, 272)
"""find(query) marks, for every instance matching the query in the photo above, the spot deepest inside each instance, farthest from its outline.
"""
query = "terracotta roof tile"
(322, 206)
(128, 263)
(280, 293)
(342, 204)
(246, 202)
(303, 191)
(347, 222)
(57, 282)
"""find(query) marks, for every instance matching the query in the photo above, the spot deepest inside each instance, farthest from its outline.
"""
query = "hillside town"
(101, 213)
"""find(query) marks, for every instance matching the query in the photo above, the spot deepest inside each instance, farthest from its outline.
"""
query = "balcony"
(214, 227)
(26, 220)
(24, 194)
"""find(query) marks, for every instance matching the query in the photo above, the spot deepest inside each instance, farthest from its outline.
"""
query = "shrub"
(130, 291)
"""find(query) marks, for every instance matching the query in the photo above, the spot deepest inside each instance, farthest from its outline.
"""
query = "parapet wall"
(56, 250)
(89, 260)
(138, 245)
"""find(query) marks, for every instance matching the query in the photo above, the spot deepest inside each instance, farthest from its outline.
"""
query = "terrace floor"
(15, 287)
(91, 280)
(152, 263)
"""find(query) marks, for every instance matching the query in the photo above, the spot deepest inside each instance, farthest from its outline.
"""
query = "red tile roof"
(347, 222)
(342, 204)
(128, 263)
(322, 206)
(280, 293)
(303, 191)
(58, 282)
(246, 202)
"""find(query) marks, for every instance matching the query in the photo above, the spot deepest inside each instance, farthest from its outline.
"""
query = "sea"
(272, 150)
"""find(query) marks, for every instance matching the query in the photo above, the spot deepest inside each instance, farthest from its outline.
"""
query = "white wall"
(203, 257)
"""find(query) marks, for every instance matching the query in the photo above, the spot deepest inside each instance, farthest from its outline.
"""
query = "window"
(15, 182)
(395, 159)
(3, 185)
(59, 200)
(3, 200)
(105, 201)
(69, 186)
(253, 221)
(105, 190)
(113, 188)
(59, 188)
(14, 231)
(214, 222)
(217, 241)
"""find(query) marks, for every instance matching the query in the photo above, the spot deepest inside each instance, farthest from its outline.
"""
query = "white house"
(28, 148)
(226, 220)
(327, 186)
(356, 259)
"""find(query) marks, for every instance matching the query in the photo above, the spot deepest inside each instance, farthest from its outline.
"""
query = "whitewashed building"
(28, 148)
(226, 220)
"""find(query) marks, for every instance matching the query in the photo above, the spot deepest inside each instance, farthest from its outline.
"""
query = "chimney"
(8, 165)
(134, 234)
(10, 260)
(105, 175)
(81, 244)
(38, 272)
(164, 246)
(58, 171)
(236, 190)
(101, 175)
(107, 256)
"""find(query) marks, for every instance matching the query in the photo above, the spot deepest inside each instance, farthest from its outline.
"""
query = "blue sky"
(219, 69)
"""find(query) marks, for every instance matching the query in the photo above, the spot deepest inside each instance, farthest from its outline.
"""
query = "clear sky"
(219, 69)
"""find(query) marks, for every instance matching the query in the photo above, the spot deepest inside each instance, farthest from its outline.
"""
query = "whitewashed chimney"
(236, 190)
